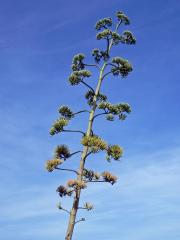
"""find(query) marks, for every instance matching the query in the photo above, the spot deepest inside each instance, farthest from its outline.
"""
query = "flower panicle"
(94, 142)
(64, 191)
(108, 177)
(103, 23)
(115, 152)
(66, 112)
(51, 165)
(62, 151)
(76, 184)
(58, 126)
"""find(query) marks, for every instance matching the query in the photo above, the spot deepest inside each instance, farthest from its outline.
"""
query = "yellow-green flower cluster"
(108, 177)
(105, 34)
(73, 183)
(90, 95)
(77, 63)
(123, 18)
(58, 126)
(123, 67)
(115, 109)
(99, 54)
(114, 151)
(103, 23)
(94, 142)
(53, 164)
(128, 38)
(116, 38)
(77, 76)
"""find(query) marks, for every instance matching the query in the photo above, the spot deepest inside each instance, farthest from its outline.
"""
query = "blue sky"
(37, 42)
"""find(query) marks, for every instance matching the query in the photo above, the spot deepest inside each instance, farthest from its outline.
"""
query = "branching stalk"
(67, 169)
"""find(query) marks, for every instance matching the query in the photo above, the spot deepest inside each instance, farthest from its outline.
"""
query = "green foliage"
(122, 67)
(104, 23)
(77, 76)
(95, 143)
(90, 95)
(58, 126)
(66, 112)
(62, 151)
(114, 151)
(77, 63)
(123, 18)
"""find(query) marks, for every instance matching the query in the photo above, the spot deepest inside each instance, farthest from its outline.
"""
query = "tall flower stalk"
(99, 105)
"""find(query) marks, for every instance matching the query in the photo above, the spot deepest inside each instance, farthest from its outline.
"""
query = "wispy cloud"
(144, 194)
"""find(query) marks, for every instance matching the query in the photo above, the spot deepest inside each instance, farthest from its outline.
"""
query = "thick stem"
(74, 209)
(75, 206)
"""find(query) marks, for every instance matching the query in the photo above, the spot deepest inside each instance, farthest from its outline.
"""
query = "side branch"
(118, 25)
(99, 114)
(80, 112)
(75, 153)
(95, 181)
(87, 85)
(82, 219)
(92, 65)
(65, 210)
(88, 154)
(67, 169)
(76, 131)
(106, 74)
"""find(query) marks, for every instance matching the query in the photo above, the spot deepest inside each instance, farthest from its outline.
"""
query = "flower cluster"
(115, 109)
(63, 191)
(98, 55)
(116, 38)
(77, 63)
(108, 177)
(94, 142)
(88, 206)
(76, 184)
(128, 38)
(65, 112)
(103, 23)
(122, 67)
(90, 95)
(77, 76)
(110, 117)
(114, 151)
(62, 151)
(58, 126)
(52, 164)
(91, 175)
(105, 34)
(123, 18)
